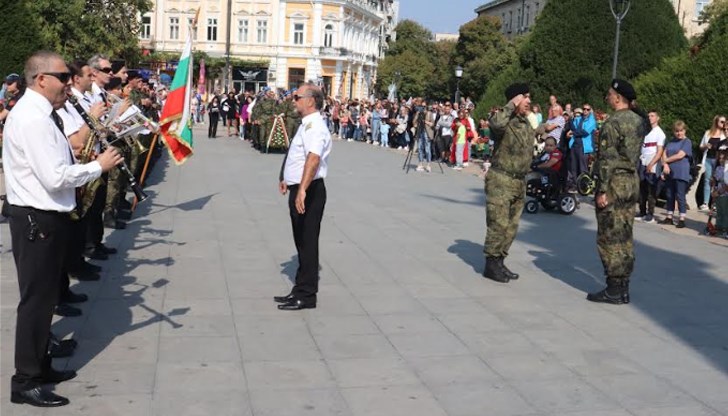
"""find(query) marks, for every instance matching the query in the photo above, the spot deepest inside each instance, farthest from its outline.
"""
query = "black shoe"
(96, 254)
(494, 271)
(71, 297)
(639, 214)
(123, 214)
(84, 276)
(680, 224)
(39, 397)
(296, 305)
(63, 348)
(114, 224)
(506, 271)
(284, 299)
(55, 376)
(616, 293)
(667, 221)
(124, 204)
(90, 267)
(106, 249)
(67, 310)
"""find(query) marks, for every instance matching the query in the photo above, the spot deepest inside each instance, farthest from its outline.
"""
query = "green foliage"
(440, 81)
(411, 36)
(690, 87)
(483, 52)
(570, 50)
(74, 28)
(415, 72)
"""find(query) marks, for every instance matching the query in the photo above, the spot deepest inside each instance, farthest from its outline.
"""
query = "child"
(384, 133)
(549, 163)
(461, 141)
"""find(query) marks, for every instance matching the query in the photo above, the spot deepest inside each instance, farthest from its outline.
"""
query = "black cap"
(624, 88)
(12, 78)
(113, 84)
(133, 74)
(516, 89)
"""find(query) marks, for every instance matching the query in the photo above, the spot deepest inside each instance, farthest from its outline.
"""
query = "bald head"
(40, 62)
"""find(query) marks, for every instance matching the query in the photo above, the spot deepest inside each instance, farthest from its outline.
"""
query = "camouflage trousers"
(614, 227)
(505, 197)
(117, 182)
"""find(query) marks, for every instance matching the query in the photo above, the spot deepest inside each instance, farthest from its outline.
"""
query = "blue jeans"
(709, 165)
(423, 148)
(676, 190)
(375, 129)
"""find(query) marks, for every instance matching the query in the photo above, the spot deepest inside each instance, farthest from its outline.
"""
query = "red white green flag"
(175, 122)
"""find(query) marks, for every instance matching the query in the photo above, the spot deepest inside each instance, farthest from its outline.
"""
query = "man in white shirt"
(41, 177)
(101, 70)
(649, 161)
(303, 173)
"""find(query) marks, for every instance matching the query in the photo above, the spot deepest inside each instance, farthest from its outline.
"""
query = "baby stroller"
(547, 189)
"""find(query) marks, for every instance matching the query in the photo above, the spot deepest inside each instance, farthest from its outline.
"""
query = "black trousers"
(306, 230)
(95, 218)
(577, 163)
(39, 264)
(212, 130)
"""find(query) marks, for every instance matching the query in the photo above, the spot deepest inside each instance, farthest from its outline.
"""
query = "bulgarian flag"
(175, 120)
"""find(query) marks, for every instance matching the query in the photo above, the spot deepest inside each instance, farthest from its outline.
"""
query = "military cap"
(516, 89)
(12, 78)
(624, 88)
(113, 84)
(116, 65)
(133, 74)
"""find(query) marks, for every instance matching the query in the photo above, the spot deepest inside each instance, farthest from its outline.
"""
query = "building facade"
(519, 16)
(336, 43)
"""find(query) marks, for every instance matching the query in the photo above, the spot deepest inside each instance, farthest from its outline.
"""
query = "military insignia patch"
(308, 126)
(604, 143)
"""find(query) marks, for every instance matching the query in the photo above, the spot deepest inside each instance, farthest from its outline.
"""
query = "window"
(328, 36)
(193, 28)
(510, 21)
(298, 33)
(262, 31)
(243, 30)
(296, 77)
(146, 30)
(519, 17)
(174, 28)
(528, 16)
(503, 22)
(699, 6)
(212, 29)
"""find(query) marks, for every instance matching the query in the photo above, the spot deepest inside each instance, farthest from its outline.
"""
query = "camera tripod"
(408, 158)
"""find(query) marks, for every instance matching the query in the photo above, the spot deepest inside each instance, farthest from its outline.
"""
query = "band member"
(41, 178)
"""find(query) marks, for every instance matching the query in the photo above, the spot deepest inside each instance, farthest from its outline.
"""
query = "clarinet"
(138, 192)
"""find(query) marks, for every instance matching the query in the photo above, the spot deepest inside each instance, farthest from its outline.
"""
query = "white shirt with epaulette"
(312, 137)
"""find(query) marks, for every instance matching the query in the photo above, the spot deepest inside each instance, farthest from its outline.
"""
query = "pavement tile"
(198, 349)
(101, 378)
(426, 344)
(199, 326)
(312, 402)
(528, 366)
(463, 369)
(365, 372)
(640, 390)
(564, 395)
(692, 410)
(202, 403)
(265, 375)
(408, 323)
(354, 346)
(392, 400)
(199, 376)
(481, 398)
(279, 346)
(341, 325)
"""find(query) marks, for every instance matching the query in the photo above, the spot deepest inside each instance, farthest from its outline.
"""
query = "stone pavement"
(182, 322)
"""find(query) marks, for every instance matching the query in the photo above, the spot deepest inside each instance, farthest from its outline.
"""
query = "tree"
(483, 52)
(21, 36)
(691, 86)
(570, 50)
(440, 84)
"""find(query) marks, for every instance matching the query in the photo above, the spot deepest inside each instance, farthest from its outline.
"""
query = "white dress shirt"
(97, 94)
(85, 98)
(72, 121)
(312, 137)
(39, 165)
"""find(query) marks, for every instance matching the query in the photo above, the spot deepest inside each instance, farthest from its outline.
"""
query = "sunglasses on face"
(106, 70)
(297, 97)
(61, 76)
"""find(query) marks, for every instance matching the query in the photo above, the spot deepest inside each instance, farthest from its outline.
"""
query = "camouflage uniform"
(505, 185)
(266, 110)
(293, 119)
(620, 139)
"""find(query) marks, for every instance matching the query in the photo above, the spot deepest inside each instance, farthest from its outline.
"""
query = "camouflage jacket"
(514, 136)
(264, 110)
(620, 140)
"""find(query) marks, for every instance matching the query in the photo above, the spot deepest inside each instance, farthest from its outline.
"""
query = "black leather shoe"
(91, 267)
(111, 222)
(55, 376)
(96, 254)
(63, 348)
(494, 271)
(38, 397)
(506, 271)
(123, 214)
(124, 204)
(616, 293)
(67, 310)
(296, 305)
(106, 249)
(284, 299)
(84, 276)
(71, 297)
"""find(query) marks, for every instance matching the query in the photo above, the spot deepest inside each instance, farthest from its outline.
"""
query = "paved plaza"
(183, 323)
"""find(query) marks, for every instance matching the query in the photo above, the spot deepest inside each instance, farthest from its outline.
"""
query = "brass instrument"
(85, 194)
(129, 123)
(103, 134)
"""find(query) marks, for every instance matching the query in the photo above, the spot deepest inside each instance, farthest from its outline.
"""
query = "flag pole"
(144, 171)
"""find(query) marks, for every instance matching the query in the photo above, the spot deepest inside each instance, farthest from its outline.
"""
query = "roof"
(490, 5)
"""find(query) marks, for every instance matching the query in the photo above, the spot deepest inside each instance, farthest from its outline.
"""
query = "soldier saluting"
(505, 185)
(617, 190)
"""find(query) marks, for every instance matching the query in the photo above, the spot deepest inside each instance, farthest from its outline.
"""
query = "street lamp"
(458, 75)
(619, 11)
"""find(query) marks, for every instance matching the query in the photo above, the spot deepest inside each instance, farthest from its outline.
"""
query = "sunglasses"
(297, 97)
(106, 70)
(586, 109)
(61, 76)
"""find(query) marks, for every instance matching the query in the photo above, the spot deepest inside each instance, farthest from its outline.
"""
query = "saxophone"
(86, 194)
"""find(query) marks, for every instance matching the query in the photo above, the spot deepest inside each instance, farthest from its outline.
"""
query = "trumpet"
(103, 137)
(128, 122)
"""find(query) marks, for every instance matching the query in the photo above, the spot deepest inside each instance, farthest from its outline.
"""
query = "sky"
(440, 16)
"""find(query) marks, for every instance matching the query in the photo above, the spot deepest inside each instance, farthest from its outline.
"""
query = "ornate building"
(519, 16)
(337, 43)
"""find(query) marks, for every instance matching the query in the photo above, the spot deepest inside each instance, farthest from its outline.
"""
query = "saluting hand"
(301, 201)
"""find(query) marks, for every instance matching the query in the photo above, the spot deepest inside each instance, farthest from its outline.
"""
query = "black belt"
(312, 182)
(41, 211)
(511, 174)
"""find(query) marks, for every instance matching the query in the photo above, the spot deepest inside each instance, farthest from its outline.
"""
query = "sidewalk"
(183, 322)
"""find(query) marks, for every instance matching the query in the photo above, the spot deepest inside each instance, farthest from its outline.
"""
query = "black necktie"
(57, 119)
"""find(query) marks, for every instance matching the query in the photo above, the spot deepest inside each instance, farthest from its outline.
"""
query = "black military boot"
(494, 270)
(506, 271)
(616, 292)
